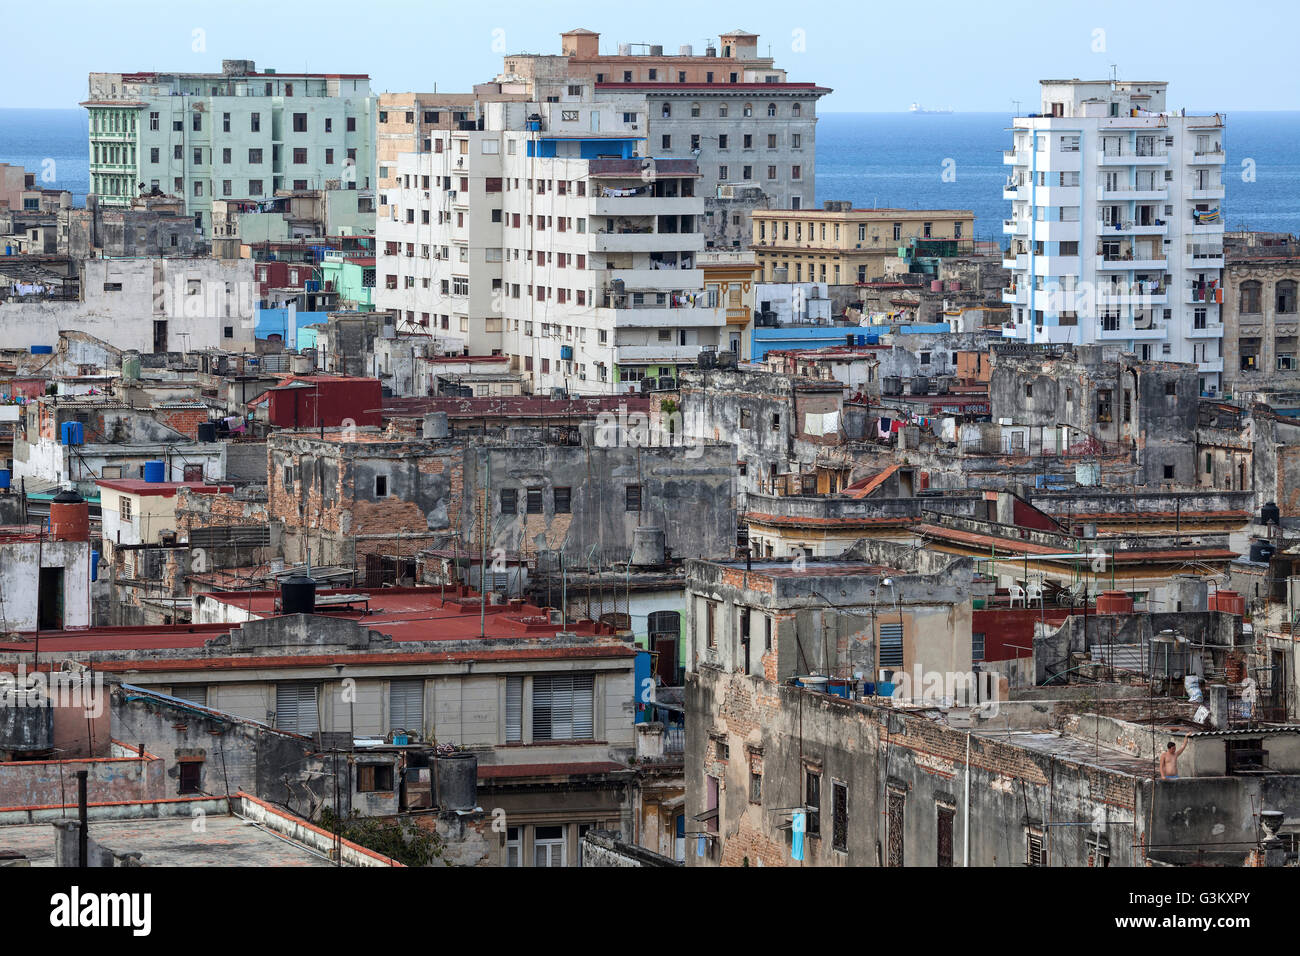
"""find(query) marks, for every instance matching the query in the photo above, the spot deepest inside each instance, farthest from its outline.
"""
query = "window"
(194, 693)
(633, 498)
(406, 705)
(563, 707)
(1035, 847)
(295, 708)
(755, 777)
(374, 778)
(839, 816)
(891, 644)
(300, 122)
(534, 501)
(255, 122)
(976, 647)
(191, 773)
(124, 508)
(1250, 297)
(1169, 472)
(813, 802)
(299, 155)
(943, 826)
(254, 157)
(563, 500)
(381, 486)
(509, 501)
(153, 121)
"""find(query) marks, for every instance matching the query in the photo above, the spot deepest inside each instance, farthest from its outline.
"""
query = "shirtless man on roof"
(1169, 760)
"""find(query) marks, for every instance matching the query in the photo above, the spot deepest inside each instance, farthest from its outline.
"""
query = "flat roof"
(172, 841)
(161, 489)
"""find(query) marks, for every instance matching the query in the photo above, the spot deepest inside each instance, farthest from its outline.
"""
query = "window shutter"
(295, 708)
(891, 645)
(563, 707)
(406, 705)
(514, 709)
(194, 693)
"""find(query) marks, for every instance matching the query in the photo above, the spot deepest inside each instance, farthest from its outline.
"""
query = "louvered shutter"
(295, 708)
(891, 645)
(406, 705)
(514, 709)
(194, 693)
(563, 707)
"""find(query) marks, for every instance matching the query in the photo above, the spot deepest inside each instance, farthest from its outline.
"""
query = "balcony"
(645, 240)
(660, 280)
(1015, 296)
(1153, 331)
(646, 206)
(1206, 192)
(1012, 189)
(1015, 227)
(666, 353)
(1012, 158)
(1128, 156)
(1204, 256)
(1125, 261)
(1211, 330)
(1126, 193)
(625, 316)
(1210, 365)
(1210, 157)
(1129, 227)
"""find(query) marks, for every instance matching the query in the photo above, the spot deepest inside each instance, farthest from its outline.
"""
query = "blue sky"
(876, 56)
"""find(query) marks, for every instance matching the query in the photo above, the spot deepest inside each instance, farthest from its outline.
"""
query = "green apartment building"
(237, 134)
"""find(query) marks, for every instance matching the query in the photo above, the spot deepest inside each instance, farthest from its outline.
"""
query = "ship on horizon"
(922, 111)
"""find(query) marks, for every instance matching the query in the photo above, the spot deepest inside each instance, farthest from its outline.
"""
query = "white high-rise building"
(1117, 224)
(549, 236)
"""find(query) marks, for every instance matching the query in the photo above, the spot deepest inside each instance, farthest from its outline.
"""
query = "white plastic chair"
(1017, 594)
(1033, 593)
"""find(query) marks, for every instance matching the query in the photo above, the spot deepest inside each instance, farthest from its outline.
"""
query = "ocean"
(932, 161)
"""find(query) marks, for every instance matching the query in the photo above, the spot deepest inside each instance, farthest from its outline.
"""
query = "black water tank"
(1270, 514)
(1261, 551)
(457, 775)
(298, 595)
(207, 431)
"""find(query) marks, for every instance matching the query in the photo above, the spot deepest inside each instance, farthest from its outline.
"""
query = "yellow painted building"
(844, 246)
(732, 278)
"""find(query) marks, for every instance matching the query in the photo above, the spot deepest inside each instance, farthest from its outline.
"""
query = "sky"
(877, 57)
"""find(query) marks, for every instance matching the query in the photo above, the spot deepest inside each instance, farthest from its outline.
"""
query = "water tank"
(1270, 514)
(625, 49)
(686, 50)
(131, 366)
(1261, 551)
(42, 349)
(155, 471)
(656, 50)
(1188, 593)
(72, 433)
(435, 425)
(711, 51)
(457, 781)
(26, 721)
(936, 285)
(781, 274)
(69, 517)
(298, 595)
(920, 385)
(1114, 602)
(873, 338)
(708, 359)
(647, 547)
(892, 385)
(207, 431)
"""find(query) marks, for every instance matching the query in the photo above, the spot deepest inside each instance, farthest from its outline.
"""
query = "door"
(160, 335)
(548, 846)
(50, 597)
(895, 829)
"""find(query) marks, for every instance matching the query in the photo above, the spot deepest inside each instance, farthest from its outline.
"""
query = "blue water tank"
(862, 340)
(873, 338)
(42, 349)
(72, 433)
(4, 478)
(155, 471)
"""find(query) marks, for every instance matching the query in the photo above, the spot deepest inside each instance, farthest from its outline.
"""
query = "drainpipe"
(965, 823)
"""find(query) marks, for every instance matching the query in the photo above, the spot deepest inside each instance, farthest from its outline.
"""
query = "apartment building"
(840, 245)
(1117, 226)
(550, 236)
(732, 111)
(1261, 325)
(237, 134)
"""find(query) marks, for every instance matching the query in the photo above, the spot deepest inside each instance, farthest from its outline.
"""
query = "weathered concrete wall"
(52, 783)
(875, 752)
(685, 492)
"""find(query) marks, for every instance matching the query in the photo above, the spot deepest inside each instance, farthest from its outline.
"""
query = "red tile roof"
(860, 489)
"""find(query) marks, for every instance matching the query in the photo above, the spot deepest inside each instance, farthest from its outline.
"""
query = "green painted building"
(238, 134)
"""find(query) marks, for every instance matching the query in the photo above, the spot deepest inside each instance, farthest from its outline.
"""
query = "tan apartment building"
(1261, 319)
(841, 245)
